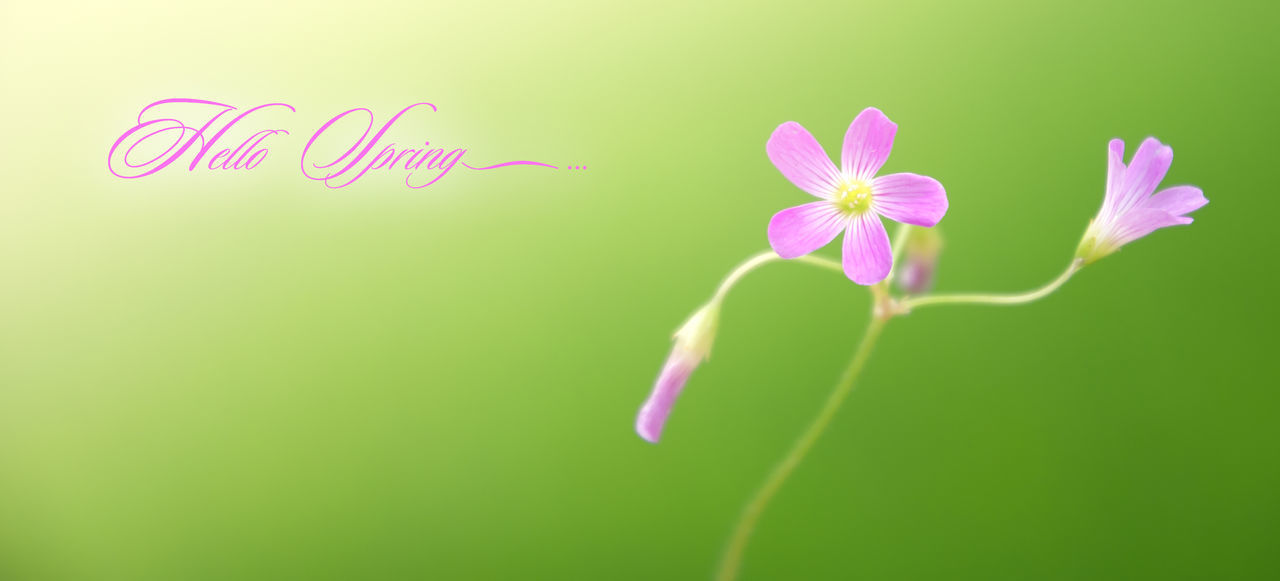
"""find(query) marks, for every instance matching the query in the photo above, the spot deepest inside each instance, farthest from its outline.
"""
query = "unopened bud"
(920, 263)
(692, 345)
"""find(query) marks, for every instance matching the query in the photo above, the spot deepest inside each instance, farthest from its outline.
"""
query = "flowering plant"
(852, 199)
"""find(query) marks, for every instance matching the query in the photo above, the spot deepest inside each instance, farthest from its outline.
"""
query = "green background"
(245, 375)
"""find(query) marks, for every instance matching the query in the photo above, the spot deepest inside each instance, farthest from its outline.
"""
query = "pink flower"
(1129, 210)
(853, 198)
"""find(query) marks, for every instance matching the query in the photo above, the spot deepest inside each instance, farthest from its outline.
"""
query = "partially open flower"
(1129, 210)
(692, 345)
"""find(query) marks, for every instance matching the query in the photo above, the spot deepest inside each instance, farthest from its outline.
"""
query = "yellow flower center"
(853, 198)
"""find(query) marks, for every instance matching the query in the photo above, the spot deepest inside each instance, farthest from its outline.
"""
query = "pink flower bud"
(692, 345)
(921, 261)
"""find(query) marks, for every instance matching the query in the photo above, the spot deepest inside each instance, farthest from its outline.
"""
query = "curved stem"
(762, 258)
(732, 560)
(993, 299)
(899, 243)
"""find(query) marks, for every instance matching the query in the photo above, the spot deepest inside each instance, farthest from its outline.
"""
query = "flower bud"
(692, 345)
(921, 261)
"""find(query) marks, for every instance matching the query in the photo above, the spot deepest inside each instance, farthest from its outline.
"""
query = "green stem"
(899, 243)
(732, 560)
(908, 305)
(766, 257)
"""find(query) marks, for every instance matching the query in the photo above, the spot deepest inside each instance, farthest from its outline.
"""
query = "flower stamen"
(853, 198)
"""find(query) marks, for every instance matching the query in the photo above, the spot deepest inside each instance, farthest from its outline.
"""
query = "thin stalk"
(908, 305)
(732, 561)
(761, 259)
(899, 243)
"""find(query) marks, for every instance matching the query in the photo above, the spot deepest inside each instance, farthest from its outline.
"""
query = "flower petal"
(867, 144)
(800, 230)
(1139, 222)
(867, 257)
(796, 154)
(1141, 178)
(1115, 179)
(1178, 200)
(909, 198)
(653, 414)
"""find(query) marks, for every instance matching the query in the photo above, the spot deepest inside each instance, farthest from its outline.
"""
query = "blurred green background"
(244, 375)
